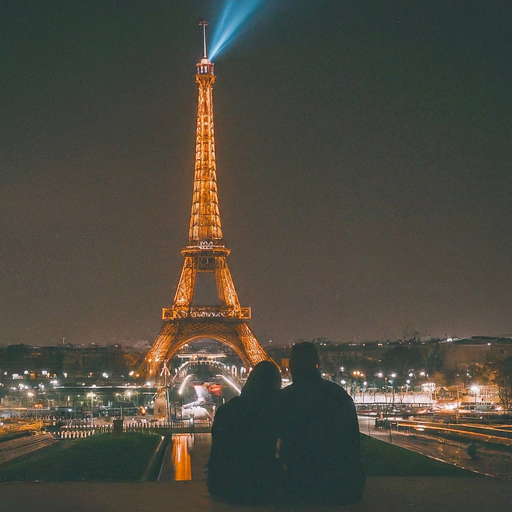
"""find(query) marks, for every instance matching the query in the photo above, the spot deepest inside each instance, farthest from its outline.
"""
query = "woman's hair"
(263, 383)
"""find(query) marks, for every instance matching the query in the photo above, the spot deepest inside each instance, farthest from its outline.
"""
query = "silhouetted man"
(319, 446)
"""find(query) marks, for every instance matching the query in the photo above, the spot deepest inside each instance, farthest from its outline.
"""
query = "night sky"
(364, 155)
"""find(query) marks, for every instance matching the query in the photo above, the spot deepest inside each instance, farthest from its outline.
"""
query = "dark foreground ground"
(418, 494)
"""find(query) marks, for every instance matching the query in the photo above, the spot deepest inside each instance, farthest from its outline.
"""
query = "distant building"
(459, 355)
(68, 362)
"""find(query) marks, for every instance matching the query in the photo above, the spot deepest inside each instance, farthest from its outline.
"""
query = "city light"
(232, 384)
(183, 384)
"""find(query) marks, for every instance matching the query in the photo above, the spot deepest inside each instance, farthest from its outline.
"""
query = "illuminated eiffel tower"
(206, 252)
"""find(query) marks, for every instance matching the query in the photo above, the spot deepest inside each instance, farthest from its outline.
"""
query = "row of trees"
(503, 373)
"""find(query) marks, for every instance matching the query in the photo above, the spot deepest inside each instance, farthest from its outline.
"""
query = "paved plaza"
(383, 494)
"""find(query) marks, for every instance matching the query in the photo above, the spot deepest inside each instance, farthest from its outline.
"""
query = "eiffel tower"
(206, 252)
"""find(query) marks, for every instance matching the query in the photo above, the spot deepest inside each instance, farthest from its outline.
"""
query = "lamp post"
(385, 397)
(475, 391)
(393, 376)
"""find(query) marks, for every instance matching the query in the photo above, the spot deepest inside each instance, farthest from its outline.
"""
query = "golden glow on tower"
(206, 252)
(205, 216)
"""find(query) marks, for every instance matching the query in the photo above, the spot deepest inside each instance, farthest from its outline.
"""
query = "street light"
(475, 391)
(392, 390)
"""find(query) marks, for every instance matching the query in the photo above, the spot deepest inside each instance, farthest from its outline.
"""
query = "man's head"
(304, 360)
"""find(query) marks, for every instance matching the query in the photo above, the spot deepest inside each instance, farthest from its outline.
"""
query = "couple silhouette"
(294, 446)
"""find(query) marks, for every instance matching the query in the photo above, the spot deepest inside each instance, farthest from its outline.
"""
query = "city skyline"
(363, 156)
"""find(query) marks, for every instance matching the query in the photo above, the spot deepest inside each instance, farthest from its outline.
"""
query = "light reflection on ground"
(181, 457)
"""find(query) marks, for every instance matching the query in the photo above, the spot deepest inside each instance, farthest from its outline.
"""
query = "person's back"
(238, 460)
(320, 443)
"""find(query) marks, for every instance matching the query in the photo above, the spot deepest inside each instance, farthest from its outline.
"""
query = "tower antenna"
(204, 23)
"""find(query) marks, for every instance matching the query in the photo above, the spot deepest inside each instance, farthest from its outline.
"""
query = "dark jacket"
(320, 446)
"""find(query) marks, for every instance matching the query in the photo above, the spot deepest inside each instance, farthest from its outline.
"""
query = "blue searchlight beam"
(234, 14)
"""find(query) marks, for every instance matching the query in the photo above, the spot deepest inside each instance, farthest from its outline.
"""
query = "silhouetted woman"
(241, 458)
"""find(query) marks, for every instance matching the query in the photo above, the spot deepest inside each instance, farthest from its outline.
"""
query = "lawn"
(109, 458)
(384, 459)
(103, 457)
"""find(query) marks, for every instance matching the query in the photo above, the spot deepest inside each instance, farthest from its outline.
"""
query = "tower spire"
(204, 24)
(205, 226)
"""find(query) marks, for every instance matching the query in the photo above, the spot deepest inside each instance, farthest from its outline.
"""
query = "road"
(488, 461)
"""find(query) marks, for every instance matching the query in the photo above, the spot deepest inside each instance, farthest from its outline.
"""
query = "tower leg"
(187, 284)
(225, 287)
(252, 347)
(176, 333)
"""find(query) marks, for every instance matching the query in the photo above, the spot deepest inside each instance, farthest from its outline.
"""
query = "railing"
(160, 427)
(206, 312)
(497, 435)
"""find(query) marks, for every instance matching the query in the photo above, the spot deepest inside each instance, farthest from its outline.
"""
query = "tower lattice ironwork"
(206, 252)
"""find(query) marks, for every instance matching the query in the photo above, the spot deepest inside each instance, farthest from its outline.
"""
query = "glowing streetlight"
(475, 389)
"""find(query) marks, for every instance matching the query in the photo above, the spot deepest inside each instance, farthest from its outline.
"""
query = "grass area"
(107, 457)
(102, 457)
(383, 459)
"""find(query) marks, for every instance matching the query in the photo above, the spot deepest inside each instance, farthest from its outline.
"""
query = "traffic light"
(142, 410)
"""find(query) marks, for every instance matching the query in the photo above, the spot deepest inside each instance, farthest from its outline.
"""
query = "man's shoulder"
(332, 386)
(318, 385)
(333, 389)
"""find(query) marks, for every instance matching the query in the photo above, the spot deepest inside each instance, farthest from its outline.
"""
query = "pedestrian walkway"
(186, 458)
(14, 448)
